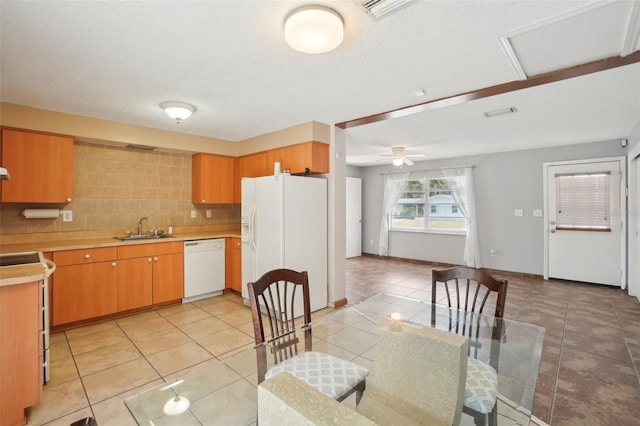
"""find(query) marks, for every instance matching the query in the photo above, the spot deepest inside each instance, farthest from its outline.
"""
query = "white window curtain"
(466, 201)
(393, 189)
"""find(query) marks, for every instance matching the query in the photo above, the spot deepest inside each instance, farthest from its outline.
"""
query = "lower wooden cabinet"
(135, 283)
(84, 291)
(168, 275)
(151, 274)
(20, 350)
(96, 282)
(233, 264)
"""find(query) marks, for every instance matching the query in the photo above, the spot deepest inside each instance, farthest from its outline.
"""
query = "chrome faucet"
(140, 225)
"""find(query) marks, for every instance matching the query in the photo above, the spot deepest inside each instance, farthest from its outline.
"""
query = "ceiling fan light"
(397, 162)
(178, 110)
(314, 29)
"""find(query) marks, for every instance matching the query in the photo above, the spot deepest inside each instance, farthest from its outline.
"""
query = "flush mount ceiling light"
(314, 29)
(490, 114)
(178, 110)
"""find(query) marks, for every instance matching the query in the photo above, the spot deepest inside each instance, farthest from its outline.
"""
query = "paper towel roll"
(41, 213)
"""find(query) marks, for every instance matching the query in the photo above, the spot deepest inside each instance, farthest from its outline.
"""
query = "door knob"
(553, 231)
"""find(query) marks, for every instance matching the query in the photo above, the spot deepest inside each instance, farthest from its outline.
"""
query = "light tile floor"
(588, 374)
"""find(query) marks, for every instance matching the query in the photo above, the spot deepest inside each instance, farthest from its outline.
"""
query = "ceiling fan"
(399, 156)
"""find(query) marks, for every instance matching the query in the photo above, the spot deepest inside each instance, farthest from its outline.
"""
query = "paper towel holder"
(41, 213)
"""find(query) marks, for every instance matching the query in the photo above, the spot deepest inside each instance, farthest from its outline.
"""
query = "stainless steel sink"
(134, 237)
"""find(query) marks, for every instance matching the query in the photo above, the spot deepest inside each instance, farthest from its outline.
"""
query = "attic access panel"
(591, 33)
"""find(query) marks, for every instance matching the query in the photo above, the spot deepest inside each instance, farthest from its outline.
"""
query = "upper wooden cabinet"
(40, 165)
(296, 158)
(213, 179)
(253, 165)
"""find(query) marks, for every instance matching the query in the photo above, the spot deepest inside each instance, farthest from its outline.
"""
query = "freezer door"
(269, 218)
(247, 214)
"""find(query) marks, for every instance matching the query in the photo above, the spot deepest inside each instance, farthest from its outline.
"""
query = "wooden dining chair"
(469, 289)
(275, 322)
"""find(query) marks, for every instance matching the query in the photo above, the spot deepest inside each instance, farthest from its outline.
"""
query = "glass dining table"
(513, 348)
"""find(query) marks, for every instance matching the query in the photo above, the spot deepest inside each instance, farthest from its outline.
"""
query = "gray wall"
(503, 182)
(353, 171)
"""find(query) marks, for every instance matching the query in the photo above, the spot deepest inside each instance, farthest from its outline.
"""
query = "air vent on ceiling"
(379, 8)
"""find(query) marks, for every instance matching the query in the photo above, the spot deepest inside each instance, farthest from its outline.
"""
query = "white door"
(354, 217)
(584, 226)
(634, 222)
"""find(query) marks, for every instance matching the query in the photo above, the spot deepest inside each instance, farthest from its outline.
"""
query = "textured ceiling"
(118, 60)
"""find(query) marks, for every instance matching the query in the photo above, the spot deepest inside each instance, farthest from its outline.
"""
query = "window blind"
(583, 201)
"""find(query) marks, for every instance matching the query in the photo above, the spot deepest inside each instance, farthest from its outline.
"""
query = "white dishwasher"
(203, 269)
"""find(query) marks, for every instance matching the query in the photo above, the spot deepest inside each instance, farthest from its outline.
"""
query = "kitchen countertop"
(20, 274)
(47, 246)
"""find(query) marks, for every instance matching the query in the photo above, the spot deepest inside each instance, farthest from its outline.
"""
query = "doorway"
(634, 221)
(354, 217)
(585, 229)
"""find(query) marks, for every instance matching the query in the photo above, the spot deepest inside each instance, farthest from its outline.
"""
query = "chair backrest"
(469, 288)
(272, 299)
(418, 378)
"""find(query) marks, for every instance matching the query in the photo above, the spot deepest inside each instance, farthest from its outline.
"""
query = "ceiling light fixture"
(397, 162)
(314, 29)
(490, 114)
(178, 110)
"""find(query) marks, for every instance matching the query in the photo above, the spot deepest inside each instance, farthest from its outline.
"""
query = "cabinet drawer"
(78, 257)
(142, 250)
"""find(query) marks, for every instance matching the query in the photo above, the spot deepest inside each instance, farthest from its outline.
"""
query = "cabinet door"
(213, 179)
(134, 283)
(232, 264)
(20, 347)
(236, 265)
(84, 291)
(296, 158)
(168, 277)
(41, 167)
(254, 165)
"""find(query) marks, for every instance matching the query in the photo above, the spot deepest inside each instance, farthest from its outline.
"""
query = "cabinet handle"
(113, 264)
(155, 258)
(68, 200)
(87, 256)
(149, 259)
(204, 201)
(238, 244)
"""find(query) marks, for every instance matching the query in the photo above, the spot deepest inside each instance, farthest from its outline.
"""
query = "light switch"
(193, 214)
(537, 213)
(518, 212)
(208, 214)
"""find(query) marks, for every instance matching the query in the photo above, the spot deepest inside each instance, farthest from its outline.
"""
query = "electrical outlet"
(371, 242)
(537, 213)
(208, 214)
(518, 212)
(193, 214)
(494, 252)
(67, 215)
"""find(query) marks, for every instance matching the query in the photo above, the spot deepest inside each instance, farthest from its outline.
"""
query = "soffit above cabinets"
(598, 30)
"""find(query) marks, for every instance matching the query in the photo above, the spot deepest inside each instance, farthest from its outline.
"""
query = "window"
(583, 202)
(438, 195)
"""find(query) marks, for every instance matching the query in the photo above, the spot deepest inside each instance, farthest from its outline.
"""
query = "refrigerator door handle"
(252, 228)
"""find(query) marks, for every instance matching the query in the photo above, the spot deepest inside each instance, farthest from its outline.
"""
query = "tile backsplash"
(114, 187)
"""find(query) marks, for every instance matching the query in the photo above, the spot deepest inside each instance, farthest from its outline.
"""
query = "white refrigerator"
(284, 225)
